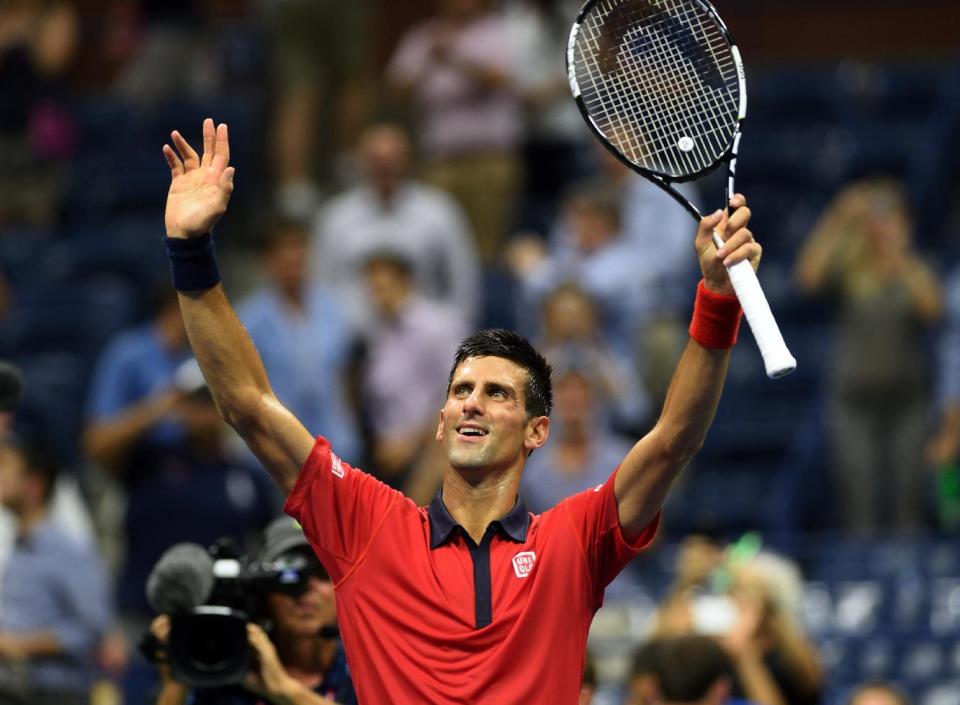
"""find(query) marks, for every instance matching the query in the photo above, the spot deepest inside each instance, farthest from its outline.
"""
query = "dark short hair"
(275, 230)
(38, 461)
(686, 667)
(510, 345)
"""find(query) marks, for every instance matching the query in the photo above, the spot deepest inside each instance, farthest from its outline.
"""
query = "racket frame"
(776, 356)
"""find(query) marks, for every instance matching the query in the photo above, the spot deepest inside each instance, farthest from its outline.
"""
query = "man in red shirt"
(471, 599)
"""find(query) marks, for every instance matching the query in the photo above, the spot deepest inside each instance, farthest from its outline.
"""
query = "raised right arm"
(199, 191)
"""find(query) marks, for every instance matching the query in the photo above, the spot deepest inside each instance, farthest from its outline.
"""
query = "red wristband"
(716, 319)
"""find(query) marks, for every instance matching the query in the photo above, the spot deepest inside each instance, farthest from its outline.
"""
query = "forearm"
(298, 694)
(172, 693)
(226, 355)
(105, 442)
(650, 468)
(37, 644)
(757, 682)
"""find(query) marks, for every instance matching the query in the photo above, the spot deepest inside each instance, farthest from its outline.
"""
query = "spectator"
(601, 262)
(390, 210)
(37, 43)
(320, 70)
(943, 451)
(456, 67)
(571, 329)
(158, 433)
(749, 603)
(862, 254)
(54, 605)
(580, 450)
(302, 660)
(556, 145)
(409, 340)
(685, 670)
(308, 375)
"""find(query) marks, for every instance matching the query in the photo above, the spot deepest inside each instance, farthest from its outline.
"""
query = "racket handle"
(776, 357)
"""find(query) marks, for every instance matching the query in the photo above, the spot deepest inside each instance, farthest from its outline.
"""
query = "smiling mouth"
(471, 432)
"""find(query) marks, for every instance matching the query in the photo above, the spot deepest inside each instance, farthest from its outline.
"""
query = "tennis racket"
(661, 85)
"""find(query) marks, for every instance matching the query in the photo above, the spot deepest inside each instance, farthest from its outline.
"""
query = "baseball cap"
(281, 535)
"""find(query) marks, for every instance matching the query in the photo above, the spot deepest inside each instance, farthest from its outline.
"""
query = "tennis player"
(471, 599)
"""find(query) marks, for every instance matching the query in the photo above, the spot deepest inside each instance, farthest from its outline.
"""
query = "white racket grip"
(776, 357)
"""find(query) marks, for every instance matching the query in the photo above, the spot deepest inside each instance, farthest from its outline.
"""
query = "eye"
(461, 390)
(498, 394)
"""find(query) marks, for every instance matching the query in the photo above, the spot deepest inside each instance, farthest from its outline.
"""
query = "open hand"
(738, 245)
(200, 187)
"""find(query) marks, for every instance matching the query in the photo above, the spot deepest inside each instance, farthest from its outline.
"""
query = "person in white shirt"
(390, 210)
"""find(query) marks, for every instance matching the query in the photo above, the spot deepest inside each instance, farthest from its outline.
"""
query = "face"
(484, 423)
(13, 480)
(286, 263)
(388, 287)
(307, 614)
(386, 155)
(571, 315)
(591, 228)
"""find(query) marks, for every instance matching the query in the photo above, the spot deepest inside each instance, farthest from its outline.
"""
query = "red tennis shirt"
(427, 616)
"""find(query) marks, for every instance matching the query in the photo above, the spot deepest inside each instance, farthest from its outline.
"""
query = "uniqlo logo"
(336, 465)
(523, 563)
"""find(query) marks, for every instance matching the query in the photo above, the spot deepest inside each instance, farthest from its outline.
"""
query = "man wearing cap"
(300, 660)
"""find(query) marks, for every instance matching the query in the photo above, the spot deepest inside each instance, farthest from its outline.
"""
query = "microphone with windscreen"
(182, 579)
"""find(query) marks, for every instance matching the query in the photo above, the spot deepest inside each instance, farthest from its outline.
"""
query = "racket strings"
(659, 81)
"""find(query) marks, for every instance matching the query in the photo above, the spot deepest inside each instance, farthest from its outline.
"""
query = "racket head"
(660, 83)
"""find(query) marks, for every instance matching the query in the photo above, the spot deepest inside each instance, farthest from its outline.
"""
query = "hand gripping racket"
(661, 85)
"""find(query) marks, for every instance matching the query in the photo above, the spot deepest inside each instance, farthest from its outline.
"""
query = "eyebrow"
(488, 386)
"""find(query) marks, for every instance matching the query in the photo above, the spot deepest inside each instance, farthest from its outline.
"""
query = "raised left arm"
(655, 461)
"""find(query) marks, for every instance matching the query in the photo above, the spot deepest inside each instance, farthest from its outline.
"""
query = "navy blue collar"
(514, 524)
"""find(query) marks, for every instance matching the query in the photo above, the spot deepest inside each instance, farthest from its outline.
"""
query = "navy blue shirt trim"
(513, 526)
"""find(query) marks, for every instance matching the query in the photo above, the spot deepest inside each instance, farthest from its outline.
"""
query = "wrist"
(193, 264)
(716, 318)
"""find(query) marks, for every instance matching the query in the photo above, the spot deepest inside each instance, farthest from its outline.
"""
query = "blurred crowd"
(408, 175)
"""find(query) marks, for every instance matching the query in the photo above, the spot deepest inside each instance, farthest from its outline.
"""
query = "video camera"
(210, 597)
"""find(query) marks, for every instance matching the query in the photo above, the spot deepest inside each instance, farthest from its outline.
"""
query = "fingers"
(223, 144)
(226, 180)
(707, 225)
(190, 158)
(173, 161)
(209, 142)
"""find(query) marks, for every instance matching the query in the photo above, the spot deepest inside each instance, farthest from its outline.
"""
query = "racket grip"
(776, 357)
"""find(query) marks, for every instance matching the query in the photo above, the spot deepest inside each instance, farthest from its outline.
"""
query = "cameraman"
(300, 661)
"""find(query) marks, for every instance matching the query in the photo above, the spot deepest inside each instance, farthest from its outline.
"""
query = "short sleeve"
(597, 523)
(339, 507)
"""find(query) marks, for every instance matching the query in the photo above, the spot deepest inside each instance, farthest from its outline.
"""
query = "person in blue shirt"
(305, 340)
(157, 432)
(297, 651)
(54, 601)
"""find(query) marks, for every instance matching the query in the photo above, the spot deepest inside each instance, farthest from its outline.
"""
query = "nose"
(472, 405)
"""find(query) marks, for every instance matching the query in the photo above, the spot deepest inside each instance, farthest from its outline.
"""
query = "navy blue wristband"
(193, 264)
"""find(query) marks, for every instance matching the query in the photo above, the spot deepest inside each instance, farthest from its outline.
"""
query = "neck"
(475, 502)
(385, 192)
(293, 297)
(29, 518)
(306, 658)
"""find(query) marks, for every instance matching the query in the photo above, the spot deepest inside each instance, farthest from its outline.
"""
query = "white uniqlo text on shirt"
(336, 465)
(523, 563)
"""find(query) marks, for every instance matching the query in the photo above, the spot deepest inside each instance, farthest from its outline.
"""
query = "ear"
(538, 428)
(439, 436)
